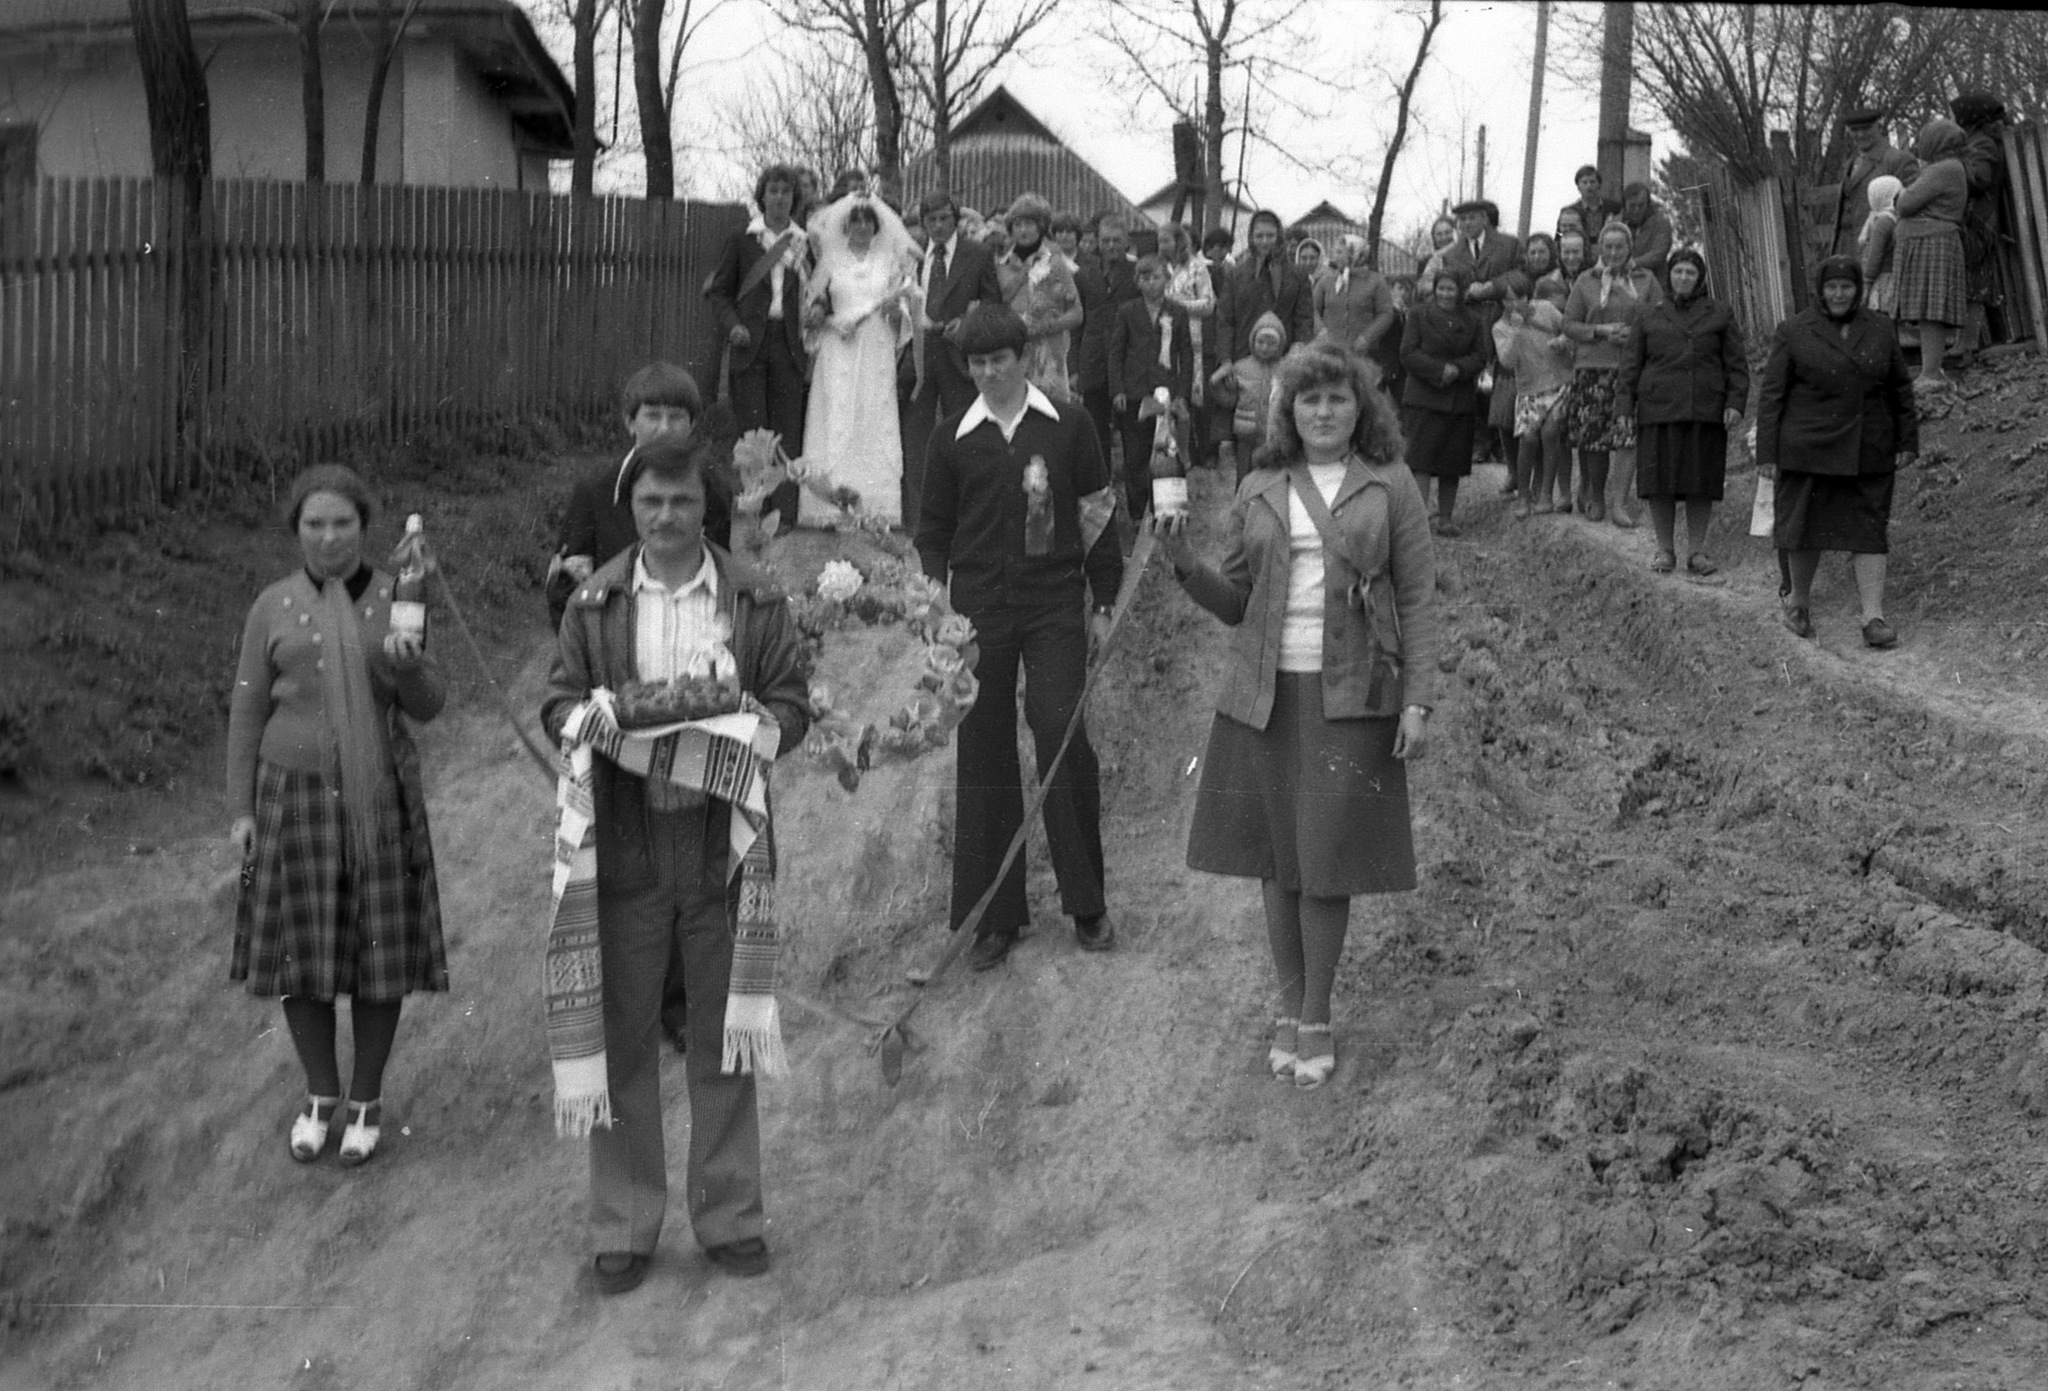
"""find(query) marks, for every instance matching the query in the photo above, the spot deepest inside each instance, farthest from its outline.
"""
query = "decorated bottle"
(1037, 507)
(1169, 485)
(409, 593)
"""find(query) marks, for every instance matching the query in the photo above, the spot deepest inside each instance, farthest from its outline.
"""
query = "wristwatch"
(1104, 610)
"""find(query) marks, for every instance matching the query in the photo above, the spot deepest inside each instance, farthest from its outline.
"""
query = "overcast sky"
(1478, 74)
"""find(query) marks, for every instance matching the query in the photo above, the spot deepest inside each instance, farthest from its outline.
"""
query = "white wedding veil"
(828, 231)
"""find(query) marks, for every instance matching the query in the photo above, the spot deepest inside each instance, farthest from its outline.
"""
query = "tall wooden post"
(1617, 42)
(1523, 226)
(1480, 191)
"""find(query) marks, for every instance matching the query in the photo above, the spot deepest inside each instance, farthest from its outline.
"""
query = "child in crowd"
(1250, 381)
(658, 402)
(1150, 346)
(1531, 342)
(1876, 242)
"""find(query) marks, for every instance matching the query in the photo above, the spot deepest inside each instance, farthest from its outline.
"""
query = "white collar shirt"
(979, 413)
(767, 238)
(672, 625)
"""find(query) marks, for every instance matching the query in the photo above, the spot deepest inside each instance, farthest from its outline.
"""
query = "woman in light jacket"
(1605, 303)
(1328, 580)
(1685, 383)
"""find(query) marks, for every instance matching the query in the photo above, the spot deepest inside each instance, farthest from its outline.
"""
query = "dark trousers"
(948, 390)
(1050, 643)
(770, 393)
(1097, 403)
(684, 913)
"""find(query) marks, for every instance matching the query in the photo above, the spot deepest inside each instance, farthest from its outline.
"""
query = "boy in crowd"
(1150, 346)
(658, 402)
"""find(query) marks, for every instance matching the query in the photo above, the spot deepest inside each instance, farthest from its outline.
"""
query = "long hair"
(1377, 436)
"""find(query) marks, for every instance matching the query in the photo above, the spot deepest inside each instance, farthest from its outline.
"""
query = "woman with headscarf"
(860, 304)
(338, 891)
(1443, 348)
(1835, 421)
(1602, 311)
(1931, 286)
(1876, 243)
(1571, 264)
(1685, 382)
(1188, 285)
(1354, 305)
(1982, 117)
(1443, 235)
(1308, 259)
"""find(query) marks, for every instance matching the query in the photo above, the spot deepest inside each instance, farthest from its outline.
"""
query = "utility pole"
(1617, 42)
(1480, 191)
(1535, 116)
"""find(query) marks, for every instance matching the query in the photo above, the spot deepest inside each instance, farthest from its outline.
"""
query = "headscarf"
(1354, 252)
(1976, 108)
(1838, 268)
(1940, 138)
(1692, 257)
(1609, 275)
(1884, 192)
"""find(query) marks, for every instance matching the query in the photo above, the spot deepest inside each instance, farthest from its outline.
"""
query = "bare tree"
(1178, 50)
(174, 87)
(654, 90)
(313, 87)
(958, 46)
(1403, 104)
(583, 120)
(881, 30)
(384, 48)
(812, 109)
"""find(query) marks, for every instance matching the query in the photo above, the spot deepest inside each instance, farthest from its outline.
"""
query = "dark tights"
(1446, 497)
(312, 1024)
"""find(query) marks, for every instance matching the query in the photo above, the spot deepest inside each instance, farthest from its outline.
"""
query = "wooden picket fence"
(146, 345)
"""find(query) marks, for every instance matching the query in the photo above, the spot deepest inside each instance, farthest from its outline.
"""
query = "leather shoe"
(746, 1258)
(619, 1271)
(1878, 633)
(988, 952)
(1798, 620)
(1095, 934)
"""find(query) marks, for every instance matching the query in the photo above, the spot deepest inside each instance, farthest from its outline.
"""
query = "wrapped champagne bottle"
(1169, 482)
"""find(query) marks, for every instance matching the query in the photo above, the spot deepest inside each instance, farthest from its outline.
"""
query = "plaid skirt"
(312, 922)
(1928, 272)
(1592, 423)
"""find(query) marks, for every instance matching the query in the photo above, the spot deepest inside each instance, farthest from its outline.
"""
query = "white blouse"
(1301, 631)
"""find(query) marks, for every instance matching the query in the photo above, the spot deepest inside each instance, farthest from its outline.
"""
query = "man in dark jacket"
(1651, 230)
(757, 294)
(1264, 280)
(958, 273)
(1150, 346)
(666, 887)
(1875, 155)
(1106, 283)
(1017, 521)
(1593, 209)
(1489, 259)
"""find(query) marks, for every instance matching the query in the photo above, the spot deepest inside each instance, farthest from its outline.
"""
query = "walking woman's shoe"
(1799, 620)
(1317, 1060)
(1280, 1057)
(1665, 563)
(1878, 633)
(365, 1128)
(309, 1127)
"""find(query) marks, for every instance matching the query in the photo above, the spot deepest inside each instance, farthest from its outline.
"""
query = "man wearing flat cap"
(1875, 155)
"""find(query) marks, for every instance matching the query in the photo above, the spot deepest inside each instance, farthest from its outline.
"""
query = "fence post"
(1793, 215)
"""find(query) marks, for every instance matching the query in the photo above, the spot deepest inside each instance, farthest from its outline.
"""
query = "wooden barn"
(1001, 150)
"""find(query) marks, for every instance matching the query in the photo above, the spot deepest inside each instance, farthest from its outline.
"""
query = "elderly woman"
(1443, 349)
(1038, 285)
(1189, 286)
(338, 893)
(1354, 305)
(1603, 308)
(1835, 421)
(1685, 382)
(1932, 290)
(1328, 580)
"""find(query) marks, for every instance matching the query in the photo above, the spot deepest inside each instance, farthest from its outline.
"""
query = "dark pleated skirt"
(1687, 459)
(311, 922)
(1320, 806)
(1439, 442)
(1823, 512)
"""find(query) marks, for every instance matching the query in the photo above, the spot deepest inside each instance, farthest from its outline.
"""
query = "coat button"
(316, 639)
(319, 664)
(305, 618)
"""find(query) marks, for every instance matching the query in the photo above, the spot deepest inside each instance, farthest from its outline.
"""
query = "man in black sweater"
(1016, 518)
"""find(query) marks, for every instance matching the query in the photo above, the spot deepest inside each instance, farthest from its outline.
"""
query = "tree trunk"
(1212, 139)
(313, 91)
(888, 105)
(383, 46)
(174, 86)
(1400, 136)
(583, 164)
(652, 100)
(942, 99)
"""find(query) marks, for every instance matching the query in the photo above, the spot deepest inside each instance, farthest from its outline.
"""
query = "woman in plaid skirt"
(1928, 267)
(338, 893)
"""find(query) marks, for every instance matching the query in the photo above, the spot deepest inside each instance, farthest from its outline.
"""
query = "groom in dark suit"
(958, 274)
(757, 293)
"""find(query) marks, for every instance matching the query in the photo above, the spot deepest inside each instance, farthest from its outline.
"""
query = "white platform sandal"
(1314, 1069)
(310, 1126)
(359, 1140)
(1280, 1057)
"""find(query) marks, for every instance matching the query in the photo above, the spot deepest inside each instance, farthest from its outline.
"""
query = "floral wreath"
(892, 589)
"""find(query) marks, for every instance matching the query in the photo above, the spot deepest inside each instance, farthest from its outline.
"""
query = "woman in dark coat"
(1835, 420)
(1443, 348)
(338, 892)
(1686, 381)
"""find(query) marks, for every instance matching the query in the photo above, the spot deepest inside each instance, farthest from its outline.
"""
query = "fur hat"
(1033, 207)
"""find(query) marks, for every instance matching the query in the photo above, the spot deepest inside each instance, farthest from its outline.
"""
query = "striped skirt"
(1928, 273)
(312, 922)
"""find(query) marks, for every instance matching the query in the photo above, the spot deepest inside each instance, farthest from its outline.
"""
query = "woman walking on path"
(1605, 304)
(1835, 421)
(338, 893)
(1684, 382)
(859, 309)
(1328, 579)
(1931, 288)
(1443, 349)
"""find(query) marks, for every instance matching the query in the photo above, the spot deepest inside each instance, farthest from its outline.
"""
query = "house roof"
(1325, 211)
(495, 35)
(1171, 187)
(1000, 150)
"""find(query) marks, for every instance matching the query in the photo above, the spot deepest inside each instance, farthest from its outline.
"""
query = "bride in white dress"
(858, 308)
